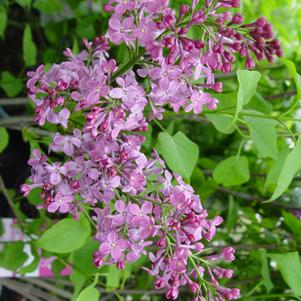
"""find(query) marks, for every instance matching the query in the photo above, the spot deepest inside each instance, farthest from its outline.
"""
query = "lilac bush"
(101, 110)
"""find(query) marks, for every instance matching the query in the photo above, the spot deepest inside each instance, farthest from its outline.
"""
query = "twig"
(36, 130)
(133, 292)
(35, 290)
(14, 101)
(272, 296)
(241, 195)
(50, 287)
(19, 120)
(222, 75)
(260, 175)
(9, 200)
(20, 290)
(20, 220)
(59, 281)
(188, 117)
(256, 246)
(108, 297)
(248, 197)
(281, 95)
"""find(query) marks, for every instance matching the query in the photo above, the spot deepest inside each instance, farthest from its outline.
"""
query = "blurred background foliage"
(34, 32)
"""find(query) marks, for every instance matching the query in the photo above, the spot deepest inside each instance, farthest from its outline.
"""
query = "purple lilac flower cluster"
(186, 66)
(139, 207)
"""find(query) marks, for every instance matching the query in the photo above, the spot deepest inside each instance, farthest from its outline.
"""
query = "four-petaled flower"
(113, 246)
(56, 171)
(121, 31)
(60, 118)
(60, 203)
(140, 215)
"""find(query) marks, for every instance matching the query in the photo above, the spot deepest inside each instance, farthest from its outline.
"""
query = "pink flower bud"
(237, 19)
(194, 287)
(228, 254)
(120, 265)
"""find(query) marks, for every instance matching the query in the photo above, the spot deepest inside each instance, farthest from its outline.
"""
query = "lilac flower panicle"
(104, 166)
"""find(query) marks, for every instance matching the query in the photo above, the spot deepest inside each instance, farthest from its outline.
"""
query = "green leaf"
(90, 293)
(65, 236)
(113, 277)
(83, 257)
(33, 265)
(28, 135)
(3, 21)
(197, 179)
(48, 6)
(13, 256)
(222, 123)
(232, 171)
(291, 166)
(290, 268)
(78, 280)
(142, 261)
(85, 28)
(34, 196)
(297, 79)
(275, 170)
(207, 189)
(232, 214)
(171, 127)
(1, 227)
(125, 274)
(248, 81)
(180, 153)
(293, 72)
(258, 103)
(11, 85)
(293, 223)
(226, 100)
(265, 271)
(57, 266)
(264, 135)
(24, 3)
(29, 47)
(207, 163)
(4, 139)
(75, 46)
